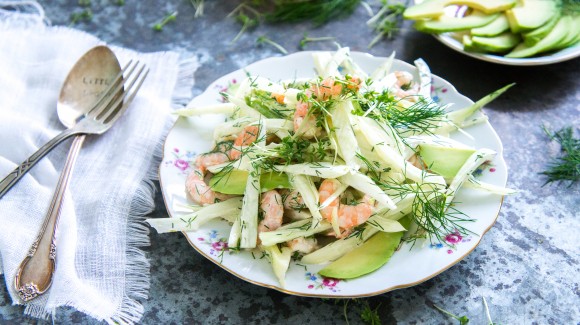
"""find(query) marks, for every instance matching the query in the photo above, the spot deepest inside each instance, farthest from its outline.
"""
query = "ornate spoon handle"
(35, 273)
(11, 179)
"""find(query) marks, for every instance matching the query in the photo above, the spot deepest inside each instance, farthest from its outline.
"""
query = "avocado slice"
(536, 35)
(573, 34)
(445, 161)
(469, 46)
(550, 42)
(497, 44)
(533, 14)
(445, 24)
(436, 8)
(234, 181)
(368, 257)
(496, 27)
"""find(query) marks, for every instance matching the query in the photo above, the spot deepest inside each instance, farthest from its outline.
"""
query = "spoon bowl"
(85, 83)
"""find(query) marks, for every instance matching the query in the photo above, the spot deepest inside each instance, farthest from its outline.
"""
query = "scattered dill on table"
(565, 168)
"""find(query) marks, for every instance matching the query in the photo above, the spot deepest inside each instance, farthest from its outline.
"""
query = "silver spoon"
(82, 88)
(87, 79)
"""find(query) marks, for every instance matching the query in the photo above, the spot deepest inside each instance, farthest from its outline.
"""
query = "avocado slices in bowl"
(518, 32)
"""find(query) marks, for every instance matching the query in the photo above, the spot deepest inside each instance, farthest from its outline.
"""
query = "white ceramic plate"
(408, 266)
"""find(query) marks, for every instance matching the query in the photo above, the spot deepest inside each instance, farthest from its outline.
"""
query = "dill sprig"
(421, 117)
(317, 11)
(570, 7)
(431, 212)
(566, 167)
(387, 21)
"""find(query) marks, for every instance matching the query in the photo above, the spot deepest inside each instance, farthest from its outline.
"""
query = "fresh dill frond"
(570, 7)
(387, 21)
(565, 168)
(436, 217)
(421, 117)
(370, 316)
(318, 12)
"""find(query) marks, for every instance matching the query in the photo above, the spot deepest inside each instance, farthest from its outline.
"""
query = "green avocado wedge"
(534, 36)
(497, 44)
(496, 27)
(445, 24)
(436, 8)
(548, 43)
(234, 181)
(533, 14)
(444, 161)
(368, 257)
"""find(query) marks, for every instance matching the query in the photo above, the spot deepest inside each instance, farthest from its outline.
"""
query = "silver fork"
(34, 276)
(93, 122)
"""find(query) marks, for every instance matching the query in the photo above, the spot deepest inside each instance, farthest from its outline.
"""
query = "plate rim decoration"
(305, 282)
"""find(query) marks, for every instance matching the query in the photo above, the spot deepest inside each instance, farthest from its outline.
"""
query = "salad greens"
(348, 146)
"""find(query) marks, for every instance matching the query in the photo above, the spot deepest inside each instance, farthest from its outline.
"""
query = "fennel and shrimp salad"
(311, 169)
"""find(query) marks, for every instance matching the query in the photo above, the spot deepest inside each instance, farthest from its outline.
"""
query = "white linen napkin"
(100, 269)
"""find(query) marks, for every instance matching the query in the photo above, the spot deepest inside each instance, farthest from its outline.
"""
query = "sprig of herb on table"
(565, 168)
(387, 21)
(305, 40)
(86, 14)
(463, 320)
(247, 16)
(265, 40)
(198, 6)
(252, 13)
(168, 18)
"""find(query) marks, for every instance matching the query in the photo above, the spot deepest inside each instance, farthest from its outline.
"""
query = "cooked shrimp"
(273, 211)
(327, 89)
(294, 207)
(354, 83)
(305, 122)
(278, 97)
(210, 159)
(303, 245)
(349, 216)
(326, 189)
(293, 200)
(200, 192)
(405, 87)
(244, 139)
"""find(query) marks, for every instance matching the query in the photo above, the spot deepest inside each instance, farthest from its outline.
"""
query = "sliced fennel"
(280, 260)
(228, 210)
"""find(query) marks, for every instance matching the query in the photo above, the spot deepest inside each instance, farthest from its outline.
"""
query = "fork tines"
(115, 100)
